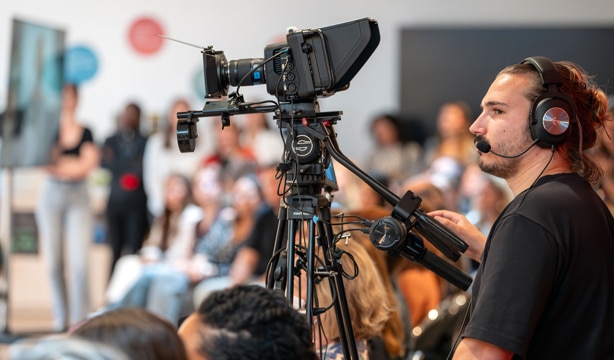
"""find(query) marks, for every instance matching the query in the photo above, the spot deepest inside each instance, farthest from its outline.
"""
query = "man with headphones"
(545, 285)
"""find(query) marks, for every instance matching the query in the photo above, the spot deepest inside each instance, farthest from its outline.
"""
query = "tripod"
(305, 208)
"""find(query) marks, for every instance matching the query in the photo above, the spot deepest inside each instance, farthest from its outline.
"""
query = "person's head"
(453, 120)
(507, 112)
(228, 141)
(386, 129)
(368, 196)
(63, 347)
(246, 195)
(247, 322)
(130, 119)
(135, 331)
(207, 186)
(177, 192)
(367, 300)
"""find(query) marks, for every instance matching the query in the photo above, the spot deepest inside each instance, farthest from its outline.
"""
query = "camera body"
(311, 63)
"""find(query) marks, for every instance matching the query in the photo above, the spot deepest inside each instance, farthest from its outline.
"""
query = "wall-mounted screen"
(29, 123)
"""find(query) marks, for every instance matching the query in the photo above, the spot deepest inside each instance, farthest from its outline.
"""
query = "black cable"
(261, 65)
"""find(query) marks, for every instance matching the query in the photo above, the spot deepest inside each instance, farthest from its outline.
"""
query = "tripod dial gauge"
(387, 233)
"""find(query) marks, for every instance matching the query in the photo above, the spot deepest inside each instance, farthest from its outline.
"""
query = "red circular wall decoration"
(142, 35)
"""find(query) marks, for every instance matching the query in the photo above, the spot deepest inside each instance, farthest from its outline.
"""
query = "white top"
(159, 162)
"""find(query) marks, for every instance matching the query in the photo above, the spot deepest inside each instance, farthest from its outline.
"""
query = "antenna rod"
(179, 41)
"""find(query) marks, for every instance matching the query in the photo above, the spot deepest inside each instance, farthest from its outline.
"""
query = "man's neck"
(535, 166)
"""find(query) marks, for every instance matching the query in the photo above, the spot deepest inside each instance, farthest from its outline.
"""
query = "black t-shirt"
(545, 286)
(262, 238)
(86, 137)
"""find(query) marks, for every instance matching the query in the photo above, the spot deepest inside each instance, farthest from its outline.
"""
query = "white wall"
(241, 29)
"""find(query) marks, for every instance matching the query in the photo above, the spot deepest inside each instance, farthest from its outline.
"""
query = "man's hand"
(462, 227)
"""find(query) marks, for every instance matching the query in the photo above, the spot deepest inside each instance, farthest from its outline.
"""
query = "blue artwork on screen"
(29, 123)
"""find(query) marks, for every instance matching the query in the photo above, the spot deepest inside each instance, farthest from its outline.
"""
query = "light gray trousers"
(65, 227)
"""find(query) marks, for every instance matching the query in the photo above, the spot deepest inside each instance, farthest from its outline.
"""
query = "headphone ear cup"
(550, 120)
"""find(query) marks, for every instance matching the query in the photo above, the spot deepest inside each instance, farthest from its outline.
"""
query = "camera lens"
(237, 69)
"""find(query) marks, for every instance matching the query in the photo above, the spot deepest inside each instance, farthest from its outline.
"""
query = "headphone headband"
(546, 70)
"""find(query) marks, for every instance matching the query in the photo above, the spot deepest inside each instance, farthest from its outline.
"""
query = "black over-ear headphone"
(552, 111)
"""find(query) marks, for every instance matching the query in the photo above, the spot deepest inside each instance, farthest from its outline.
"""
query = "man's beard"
(501, 167)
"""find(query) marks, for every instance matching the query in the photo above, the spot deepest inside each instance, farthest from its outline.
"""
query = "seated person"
(246, 322)
(218, 238)
(139, 333)
(250, 263)
(168, 246)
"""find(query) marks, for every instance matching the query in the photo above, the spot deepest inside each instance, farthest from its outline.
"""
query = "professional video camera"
(312, 63)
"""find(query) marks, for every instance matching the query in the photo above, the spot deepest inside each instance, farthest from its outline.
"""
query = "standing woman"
(64, 216)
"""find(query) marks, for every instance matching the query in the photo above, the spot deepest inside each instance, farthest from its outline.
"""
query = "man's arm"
(470, 348)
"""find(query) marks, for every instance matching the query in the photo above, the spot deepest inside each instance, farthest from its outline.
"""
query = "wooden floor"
(28, 310)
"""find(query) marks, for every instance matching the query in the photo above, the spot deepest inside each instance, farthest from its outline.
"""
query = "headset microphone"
(484, 147)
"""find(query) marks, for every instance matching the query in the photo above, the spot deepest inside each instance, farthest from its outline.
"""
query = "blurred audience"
(257, 135)
(453, 138)
(486, 196)
(253, 255)
(168, 246)
(126, 212)
(236, 160)
(392, 156)
(64, 216)
(218, 253)
(349, 194)
(247, 322)
(370, 198)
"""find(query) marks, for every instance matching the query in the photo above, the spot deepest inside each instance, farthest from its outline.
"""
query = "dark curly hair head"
(252, 322)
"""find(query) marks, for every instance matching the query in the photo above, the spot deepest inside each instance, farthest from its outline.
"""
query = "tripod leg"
(346, 333)
(277, 267)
